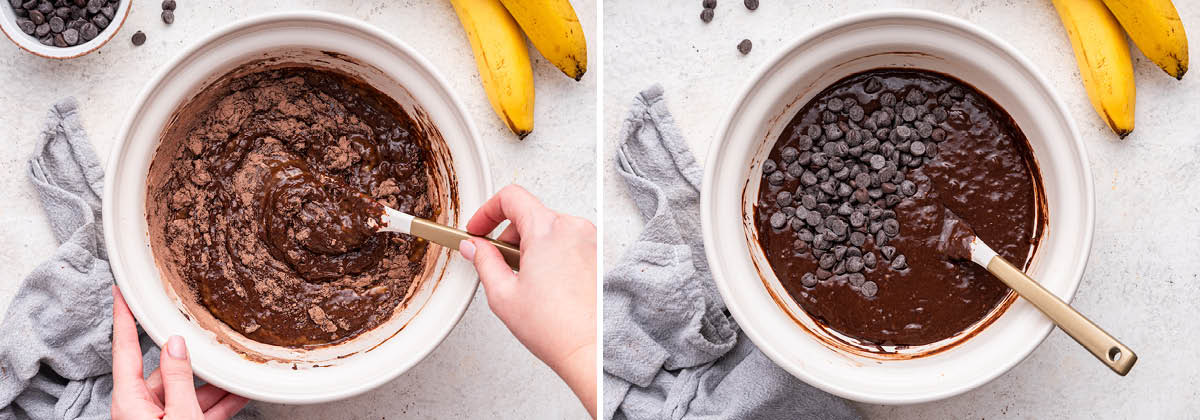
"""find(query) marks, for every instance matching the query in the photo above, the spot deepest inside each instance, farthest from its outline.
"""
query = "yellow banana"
(1103, 57)
(1155, 27)
(555, 30)
(503, 60)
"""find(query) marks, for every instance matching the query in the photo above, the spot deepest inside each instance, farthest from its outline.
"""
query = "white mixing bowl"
(912, 39)
(319, 40)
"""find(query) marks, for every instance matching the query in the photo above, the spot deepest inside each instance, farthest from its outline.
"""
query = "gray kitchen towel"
(671, 351)
(56, 351)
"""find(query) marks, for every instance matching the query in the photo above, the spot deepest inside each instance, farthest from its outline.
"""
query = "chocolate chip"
(63, 12)
(752, 4)
(42, 30)
(745, 46)
(16, 4)
(71, 36)
(908, 187)
(46, 8)
(878, 162)
(808, 178)
(57, 24)
(47, 40)
(108, 12)
(903, 132)
(915, 97)
(100, 21)
(709, 4)
(168, 17)
(856, 113)
(170, 5)
(59, 41)
(909, 114)
(26, 25)
(823, 274)
(887, 99)
(854, 264)
(778, 220)
(917, 148)
(769, 166)
(873, 85)
(814, 131)
(887, 251)
(796, 223)
(957, 92)
(939, 135)
(891, 227)
(899, 263)
(795, 170)
(706, 15)
(869, 289)
(775, 178)
(37, 17)
(827, 261)
(808, 280)
(807, 200)
(804, 142)
(924, 129)
(789, 154)
(869, 260)
(834, 105)
(857, 219)
(784, 198)
(939, 114)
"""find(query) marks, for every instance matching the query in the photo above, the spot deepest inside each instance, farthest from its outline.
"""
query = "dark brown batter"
(262, 208)
(976, 166)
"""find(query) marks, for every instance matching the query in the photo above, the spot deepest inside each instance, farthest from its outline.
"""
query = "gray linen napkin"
(671, 351)
(56, 354)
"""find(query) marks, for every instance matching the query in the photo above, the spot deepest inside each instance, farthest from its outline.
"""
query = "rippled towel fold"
(56, 351)
(671, 351)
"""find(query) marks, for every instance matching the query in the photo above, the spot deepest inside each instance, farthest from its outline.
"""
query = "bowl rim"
(33, 46)
(715, 261)
(122, 142)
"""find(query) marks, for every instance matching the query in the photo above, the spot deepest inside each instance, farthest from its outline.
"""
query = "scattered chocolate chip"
(899, 263)
(706, 15)
(139, 38)
(168, 5)
(745, 46)
(168, 17)
(752, 4)
(709, 4)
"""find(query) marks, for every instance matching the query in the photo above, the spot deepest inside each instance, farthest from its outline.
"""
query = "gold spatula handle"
(450, 237)
(1102, 345)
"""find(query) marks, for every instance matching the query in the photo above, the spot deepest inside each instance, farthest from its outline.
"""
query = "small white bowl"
(914, 39)
(296, 376)
(8, 24)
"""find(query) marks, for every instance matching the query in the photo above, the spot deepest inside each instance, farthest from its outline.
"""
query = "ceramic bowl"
(8, 24)
(906, 39)
(256, 370)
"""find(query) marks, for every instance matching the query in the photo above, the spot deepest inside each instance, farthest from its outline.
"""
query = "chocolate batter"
(982, 172)
(263, 206)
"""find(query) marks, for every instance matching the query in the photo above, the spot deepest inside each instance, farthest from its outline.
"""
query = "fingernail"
(467, 249)
(176, 348)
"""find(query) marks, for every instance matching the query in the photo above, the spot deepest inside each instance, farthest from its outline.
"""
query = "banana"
(1155, 27)
(503, 60)
(1103, 57)
(555, 30)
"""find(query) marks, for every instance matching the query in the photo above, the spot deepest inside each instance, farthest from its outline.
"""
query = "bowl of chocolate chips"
(62, 28)
(830, 192)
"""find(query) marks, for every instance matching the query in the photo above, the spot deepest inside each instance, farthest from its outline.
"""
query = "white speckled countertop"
(1141, 280)
(480, 371)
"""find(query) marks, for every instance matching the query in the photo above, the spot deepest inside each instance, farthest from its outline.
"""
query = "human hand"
(169, 392)
(550, 305)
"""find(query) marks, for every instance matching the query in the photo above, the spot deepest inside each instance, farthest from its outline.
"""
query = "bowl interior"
(891, 39)
(273, 373)
(8, 25)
